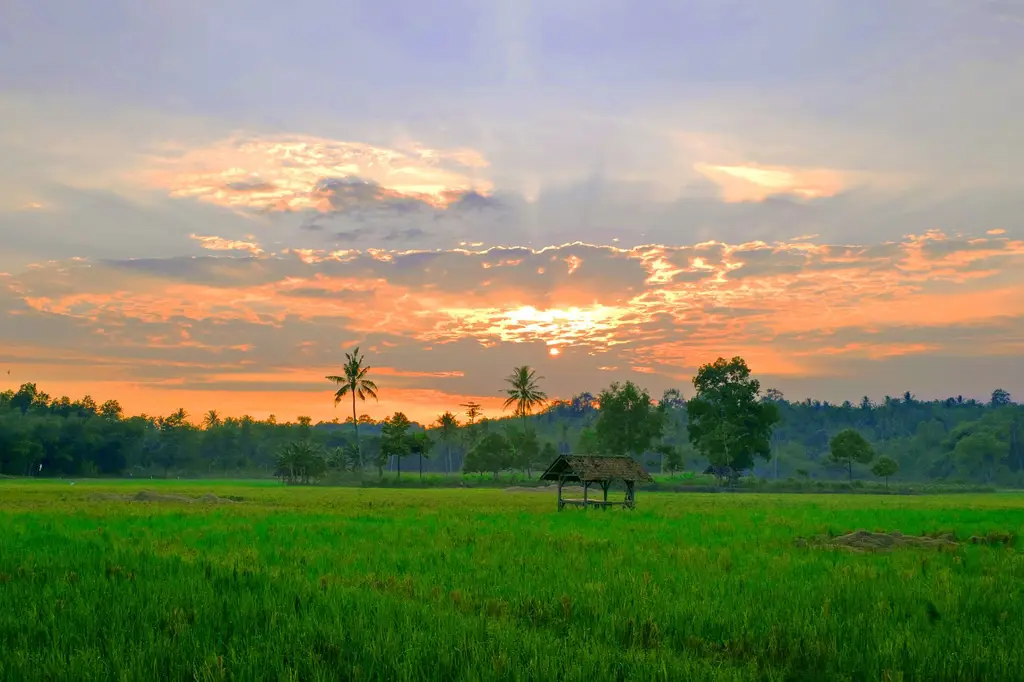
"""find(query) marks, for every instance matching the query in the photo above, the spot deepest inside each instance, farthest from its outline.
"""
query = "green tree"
(491, 453)
(394, 441)
(473, 412)
(1000, 398)
(300, 462)
(848, 446)
(353, 381)
(548, 452)
(111, 410)
(524, 393)
(980, 453)
(525, 447)
(671, 457)
(447, 426)
(884, 468)
(420, 444)
(589, 443)
(628, 421)
(726, 420)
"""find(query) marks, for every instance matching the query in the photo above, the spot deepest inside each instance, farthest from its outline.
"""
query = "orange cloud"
(795, 309)
(220, 244)
(752, 182)
(294, 172)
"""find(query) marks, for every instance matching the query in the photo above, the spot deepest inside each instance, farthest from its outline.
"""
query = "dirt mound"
(210, 498)
(150, 496)
(866, 541)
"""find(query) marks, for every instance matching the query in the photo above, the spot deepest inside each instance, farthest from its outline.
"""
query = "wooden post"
(604, 486)
(630, 500)
(561, 504)
(586, 487)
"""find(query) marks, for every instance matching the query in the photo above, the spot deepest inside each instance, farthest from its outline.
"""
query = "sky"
(205, 204)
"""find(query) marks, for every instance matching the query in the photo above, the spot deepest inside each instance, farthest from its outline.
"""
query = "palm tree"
(523, 392)
(354, 382)
(447, 425)
(211, 419)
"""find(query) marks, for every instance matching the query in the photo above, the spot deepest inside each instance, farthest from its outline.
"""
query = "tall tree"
(354, 382)
(420, 444)
(473, 411)
(727, 422)
(447, 426)
(848, 446)
(211, 419)
(628, 421)
(1000, 398)
(394, 441)
(523, 392)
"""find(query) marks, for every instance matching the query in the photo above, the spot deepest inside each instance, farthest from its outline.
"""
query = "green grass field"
(348, 583)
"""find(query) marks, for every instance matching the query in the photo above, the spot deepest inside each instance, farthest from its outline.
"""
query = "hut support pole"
(604, 487)
(586, 487)
(561, 505)
(630, 498)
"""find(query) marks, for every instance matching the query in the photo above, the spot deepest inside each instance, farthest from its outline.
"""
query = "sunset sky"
(205, 203)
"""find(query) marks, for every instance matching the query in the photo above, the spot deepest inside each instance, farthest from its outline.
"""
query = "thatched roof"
(573, 468)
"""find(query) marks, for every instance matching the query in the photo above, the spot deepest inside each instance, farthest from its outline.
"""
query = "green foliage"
(394, 440)
(1000, 398)
(628, 422)
(306, 583)
(848, 446)
(523, 393)
(728, 423)
(354, 382)
(491, 453)
(447, 426)
(884, 468)
(671, 457)
(525, 447)
(588, 443)
(47, 436)
(301, 462)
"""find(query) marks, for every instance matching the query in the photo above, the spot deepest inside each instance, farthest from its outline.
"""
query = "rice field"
(291, 583)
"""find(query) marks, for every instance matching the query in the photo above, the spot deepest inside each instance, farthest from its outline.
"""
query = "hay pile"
(150, 496)
(866, 541)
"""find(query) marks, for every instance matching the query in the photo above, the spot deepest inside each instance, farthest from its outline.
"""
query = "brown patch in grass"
(150, 496)
(867, 541)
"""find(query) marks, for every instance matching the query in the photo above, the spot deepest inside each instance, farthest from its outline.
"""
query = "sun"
(554, 351)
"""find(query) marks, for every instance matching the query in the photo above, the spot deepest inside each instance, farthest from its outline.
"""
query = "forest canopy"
(954, 439)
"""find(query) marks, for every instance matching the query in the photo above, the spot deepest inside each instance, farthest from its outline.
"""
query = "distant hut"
(590, 469)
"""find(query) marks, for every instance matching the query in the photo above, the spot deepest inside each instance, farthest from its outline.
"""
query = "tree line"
(728, 427)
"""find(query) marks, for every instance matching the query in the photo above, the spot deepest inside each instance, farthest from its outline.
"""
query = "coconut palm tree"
(523, 392)
(211, 419)
(447, 425)
(353, 382)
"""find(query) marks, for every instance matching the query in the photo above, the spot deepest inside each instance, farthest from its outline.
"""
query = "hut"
(590, 469)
